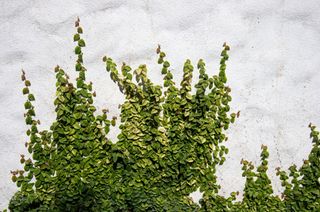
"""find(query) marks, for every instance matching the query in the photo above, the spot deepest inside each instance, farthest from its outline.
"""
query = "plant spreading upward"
(171, 144)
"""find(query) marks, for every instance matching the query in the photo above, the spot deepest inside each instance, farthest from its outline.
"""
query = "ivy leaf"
(77, 50)
(81, 43)
(31, 97)
(25, 90)
(76, 37)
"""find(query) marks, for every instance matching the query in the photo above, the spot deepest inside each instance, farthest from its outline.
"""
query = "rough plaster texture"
(274, 67)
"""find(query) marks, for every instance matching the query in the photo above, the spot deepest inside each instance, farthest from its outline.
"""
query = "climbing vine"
(171, 143)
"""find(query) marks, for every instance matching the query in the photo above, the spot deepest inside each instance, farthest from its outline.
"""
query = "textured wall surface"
(274, 66)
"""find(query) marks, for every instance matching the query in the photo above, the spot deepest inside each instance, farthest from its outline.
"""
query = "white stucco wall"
(274, 66)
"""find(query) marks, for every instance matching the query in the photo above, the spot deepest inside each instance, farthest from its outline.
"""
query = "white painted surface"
(274, 67)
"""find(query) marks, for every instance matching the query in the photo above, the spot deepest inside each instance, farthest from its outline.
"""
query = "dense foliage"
(171, 144)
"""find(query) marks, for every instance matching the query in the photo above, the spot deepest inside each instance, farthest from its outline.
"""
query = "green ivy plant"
(171, 143)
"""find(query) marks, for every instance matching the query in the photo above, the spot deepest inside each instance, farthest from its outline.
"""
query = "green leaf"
(107, 129)
(27, 83)
(27, 105)
(81, 43)
(31, 97)
(79, 30)
(166, 64)
(76, 37)
(25, 90)
(76, 125)
(77, 50)
(78, 66)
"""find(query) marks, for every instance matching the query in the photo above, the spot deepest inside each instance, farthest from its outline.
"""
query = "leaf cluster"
(171, 143)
